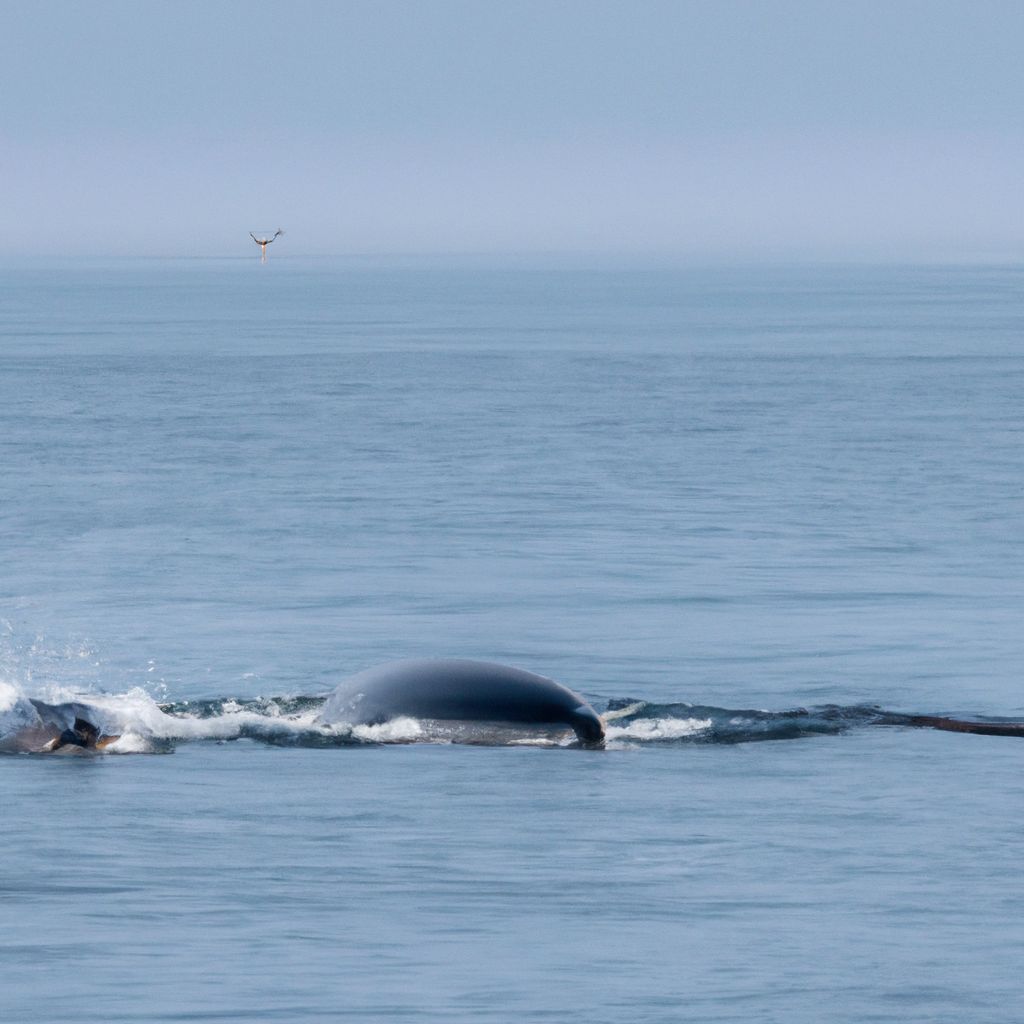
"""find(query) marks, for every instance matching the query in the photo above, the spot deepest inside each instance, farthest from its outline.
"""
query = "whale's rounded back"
(456, 689)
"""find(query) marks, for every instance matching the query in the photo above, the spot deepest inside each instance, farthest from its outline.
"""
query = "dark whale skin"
(456, 689)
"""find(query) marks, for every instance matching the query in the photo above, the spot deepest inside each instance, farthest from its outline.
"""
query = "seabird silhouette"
(264, 242)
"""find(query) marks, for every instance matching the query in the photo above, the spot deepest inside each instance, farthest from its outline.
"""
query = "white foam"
(130, 743)
(16, 711)
(397, 730)
(648, 730)
(232, 723)
(137, 718)
(10, 697)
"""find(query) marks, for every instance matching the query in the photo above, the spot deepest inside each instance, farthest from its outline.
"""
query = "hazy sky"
(835, 127)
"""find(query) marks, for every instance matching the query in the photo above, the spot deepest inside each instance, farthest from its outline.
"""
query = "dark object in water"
(81, 734)
(959, 725)
(70, 731)
(456, 690)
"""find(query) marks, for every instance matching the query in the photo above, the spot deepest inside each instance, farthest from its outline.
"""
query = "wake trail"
(134, 722)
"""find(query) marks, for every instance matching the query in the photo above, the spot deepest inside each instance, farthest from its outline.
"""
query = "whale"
(453, 689)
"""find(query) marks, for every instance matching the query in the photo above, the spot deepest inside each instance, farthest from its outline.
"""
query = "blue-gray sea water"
(726, 505)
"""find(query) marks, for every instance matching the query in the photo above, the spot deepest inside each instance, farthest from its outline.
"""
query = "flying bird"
(264, 242)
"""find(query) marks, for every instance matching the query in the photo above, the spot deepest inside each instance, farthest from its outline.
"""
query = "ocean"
(755, 514)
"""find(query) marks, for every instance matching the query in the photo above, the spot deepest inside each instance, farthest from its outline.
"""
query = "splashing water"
(143, 725)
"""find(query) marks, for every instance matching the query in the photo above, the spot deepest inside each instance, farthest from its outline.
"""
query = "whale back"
(455, 689)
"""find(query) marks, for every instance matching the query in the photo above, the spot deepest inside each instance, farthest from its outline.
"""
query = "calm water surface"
(773, 488)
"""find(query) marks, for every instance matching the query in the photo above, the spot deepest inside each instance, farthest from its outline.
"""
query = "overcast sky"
(830, 128)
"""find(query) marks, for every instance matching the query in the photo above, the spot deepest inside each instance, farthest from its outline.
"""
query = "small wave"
(658, 730)
(637, 721)
(398, 730)
(133, 743)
